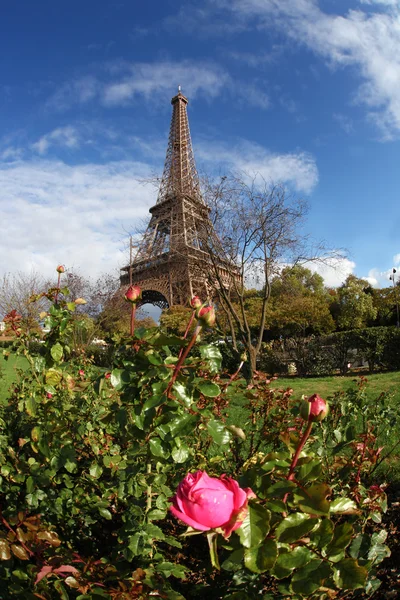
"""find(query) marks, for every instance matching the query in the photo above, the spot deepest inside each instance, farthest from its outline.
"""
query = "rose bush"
(97, 453)
(205, 503)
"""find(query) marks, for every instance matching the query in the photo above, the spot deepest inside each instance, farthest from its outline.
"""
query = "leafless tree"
(16, 292)
(259, 230)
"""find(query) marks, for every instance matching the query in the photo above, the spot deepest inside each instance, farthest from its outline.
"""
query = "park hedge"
(378, 347)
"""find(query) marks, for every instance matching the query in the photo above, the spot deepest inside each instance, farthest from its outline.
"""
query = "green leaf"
(342, 536)
(5, 553)
(280, 489)
(53, 377)
(349, 575)
(378, 550)
(209, 389)
(31, 406)
(182, 393)
(105, 513)
(119, 378)
(57, 352)
(181, 425)
(234, 561)
(261, 558)
(308, 579)
(95, 470)
(181, 454)
(294, 527)
(153, 401)
(218, 432)
(39, 364)
(312, 500)
(157, 449)
(213, 356)
(343, 506)
(295, 559)
(323, 534)
(255, 526)
(309, 471)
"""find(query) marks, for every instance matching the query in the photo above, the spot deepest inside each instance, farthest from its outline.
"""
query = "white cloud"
(52, 213)
(122, 83)
(334, 271)
(368, 42)
(62, 136)
(385, 2)
(11, 153)
(297, 169)
(378, 278)
(79, 91)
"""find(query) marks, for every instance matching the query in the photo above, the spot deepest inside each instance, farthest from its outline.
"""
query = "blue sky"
(304, 92)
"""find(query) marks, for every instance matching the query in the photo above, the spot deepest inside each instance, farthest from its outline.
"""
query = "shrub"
(90, 459)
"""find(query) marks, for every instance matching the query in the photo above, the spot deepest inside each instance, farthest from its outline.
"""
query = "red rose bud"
(133, 294)
(314, 408)
(196, 302)
(60, 269)
(206, 316)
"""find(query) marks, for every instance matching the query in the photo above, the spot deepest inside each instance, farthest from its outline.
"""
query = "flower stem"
(212, 544)
(133, 314)
(187, 330)
(58, 288)
(299, 449)
(182, 359)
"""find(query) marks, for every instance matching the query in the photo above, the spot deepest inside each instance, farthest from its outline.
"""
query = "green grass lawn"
(8, 372)
(327, 386)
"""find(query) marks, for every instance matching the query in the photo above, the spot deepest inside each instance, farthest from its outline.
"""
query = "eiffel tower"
(172, 263)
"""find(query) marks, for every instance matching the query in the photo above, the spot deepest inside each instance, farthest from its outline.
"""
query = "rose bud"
(206, 316)
(60, 269)
(314, 408)
(79, 301)
(133, 294)
(205, 503)
(195, 302)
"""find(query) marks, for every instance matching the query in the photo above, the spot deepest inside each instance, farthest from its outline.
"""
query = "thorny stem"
(295, 458)
(232, 377)
(58, 288)
(299, 449)
(187, 331)
(148, 491)
(182, 358)
(133, 314)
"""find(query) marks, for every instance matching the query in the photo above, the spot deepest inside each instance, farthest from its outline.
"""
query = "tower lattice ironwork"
(172, 262)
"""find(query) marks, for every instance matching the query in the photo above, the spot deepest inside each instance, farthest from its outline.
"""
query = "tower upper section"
(180, 177)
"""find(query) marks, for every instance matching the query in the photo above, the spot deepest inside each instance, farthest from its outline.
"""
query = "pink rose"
(133, 294)
(204, 502)
(314, 409)
(206, 316)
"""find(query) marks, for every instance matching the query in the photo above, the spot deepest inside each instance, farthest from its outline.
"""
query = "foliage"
(354, 304)
(175, 319)
(324, 355)
(90, 457)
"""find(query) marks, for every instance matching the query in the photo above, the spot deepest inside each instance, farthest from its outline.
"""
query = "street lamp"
(392, 278)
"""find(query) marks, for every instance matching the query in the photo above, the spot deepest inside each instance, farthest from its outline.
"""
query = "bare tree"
(16, 293)
(259, 229)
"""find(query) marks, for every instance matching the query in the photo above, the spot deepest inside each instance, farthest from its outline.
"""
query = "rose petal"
(186, 519)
